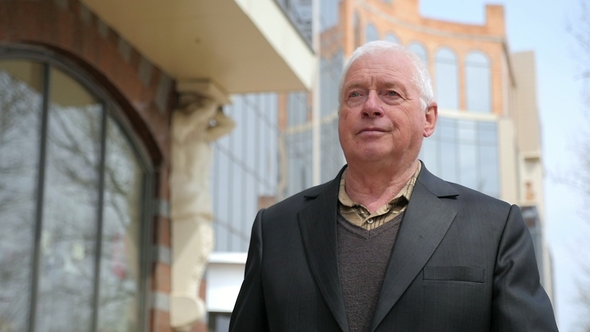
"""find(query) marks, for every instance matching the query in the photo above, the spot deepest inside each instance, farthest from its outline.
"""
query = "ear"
(431, 115)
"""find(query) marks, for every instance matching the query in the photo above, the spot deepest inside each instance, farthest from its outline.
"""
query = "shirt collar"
(405, 192)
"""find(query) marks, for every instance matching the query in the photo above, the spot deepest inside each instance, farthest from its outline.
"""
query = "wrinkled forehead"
(381, 62)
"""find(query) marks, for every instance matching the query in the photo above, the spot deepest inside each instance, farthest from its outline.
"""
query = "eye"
(354, 94)
(391, 93)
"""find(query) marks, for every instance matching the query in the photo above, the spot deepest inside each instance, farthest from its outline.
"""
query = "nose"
(372, 106)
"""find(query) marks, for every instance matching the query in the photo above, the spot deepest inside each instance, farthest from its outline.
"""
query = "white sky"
(540, 25)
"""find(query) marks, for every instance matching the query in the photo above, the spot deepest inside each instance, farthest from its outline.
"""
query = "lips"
(372, 130)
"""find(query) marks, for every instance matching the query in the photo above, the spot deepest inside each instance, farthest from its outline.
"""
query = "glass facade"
(73, 189)
(299, 13)
(466, 152)
(446, 79)
(478, 83)
(420, 51)
(268, 157)
(245, 168)
(371, 33)
(392, 38)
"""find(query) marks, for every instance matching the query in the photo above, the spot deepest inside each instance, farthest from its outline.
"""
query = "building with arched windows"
(108, 110)
(484, 93)
(487, 137)
(139, 139)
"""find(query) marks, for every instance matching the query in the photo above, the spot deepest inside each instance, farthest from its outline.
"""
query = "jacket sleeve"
(519, 301)
(249, 313)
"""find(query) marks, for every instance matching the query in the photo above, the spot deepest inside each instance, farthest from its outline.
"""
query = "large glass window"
(328, 14)
(246, 170)
(21, 85)
(371, 33)
(72, 193)
(392, 38)
(356, 25)
(420, 51)
(478, 82)
(331, 157)
(466, 152)
(447, 79)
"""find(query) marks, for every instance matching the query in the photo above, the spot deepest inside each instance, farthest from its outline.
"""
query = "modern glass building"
(95, 163)
(481, 141)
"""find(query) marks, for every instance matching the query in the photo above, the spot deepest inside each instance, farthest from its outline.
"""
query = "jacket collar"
(426, 220)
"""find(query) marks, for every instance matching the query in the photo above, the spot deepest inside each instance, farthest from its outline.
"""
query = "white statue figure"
(194, 127)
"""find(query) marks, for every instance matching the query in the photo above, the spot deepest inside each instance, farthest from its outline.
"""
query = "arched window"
(73, 189)
(420, 51)
(392, 38)
(357, 30)
(478, 82)
(371, 33)
(447, 79)
(328, 14)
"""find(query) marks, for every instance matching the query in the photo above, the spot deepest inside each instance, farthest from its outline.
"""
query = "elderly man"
(386, 245)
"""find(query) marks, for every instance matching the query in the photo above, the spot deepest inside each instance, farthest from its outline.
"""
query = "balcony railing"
(299, 13)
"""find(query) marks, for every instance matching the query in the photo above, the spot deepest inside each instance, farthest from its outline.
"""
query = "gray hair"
(421, 77)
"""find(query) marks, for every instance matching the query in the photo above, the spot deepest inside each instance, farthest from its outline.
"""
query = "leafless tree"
(579, 29)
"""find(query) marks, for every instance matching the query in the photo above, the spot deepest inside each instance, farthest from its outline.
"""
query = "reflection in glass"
(447, 79)
(119, 275)
(71, 119)
(20, 117)
(478, 82)
(69, 215)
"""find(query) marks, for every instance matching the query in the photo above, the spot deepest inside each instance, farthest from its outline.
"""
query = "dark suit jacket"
(462, 261)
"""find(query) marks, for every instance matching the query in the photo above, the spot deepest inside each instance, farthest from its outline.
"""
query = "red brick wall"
(403, 18)
(144, 93)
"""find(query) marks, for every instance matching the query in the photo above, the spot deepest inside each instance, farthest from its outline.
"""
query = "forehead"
(381, 66)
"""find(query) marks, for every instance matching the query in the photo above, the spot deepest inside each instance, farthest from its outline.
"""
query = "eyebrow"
(382, 84)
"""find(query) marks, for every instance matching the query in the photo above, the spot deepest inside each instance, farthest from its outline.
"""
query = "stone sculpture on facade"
(195, 124)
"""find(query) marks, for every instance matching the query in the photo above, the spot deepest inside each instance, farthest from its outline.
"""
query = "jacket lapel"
(425, 223)
(317, 222)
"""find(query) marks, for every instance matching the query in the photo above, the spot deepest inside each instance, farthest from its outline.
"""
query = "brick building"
(106, 199)
(107, 110)
(487, 137)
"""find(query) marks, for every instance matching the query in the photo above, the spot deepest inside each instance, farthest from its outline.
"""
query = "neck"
(374, 187)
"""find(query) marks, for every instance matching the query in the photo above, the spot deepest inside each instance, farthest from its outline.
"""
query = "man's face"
(380, 115)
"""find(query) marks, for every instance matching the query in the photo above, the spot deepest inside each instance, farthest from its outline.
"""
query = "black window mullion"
(38, 226)
(145, 243)
(99, 223)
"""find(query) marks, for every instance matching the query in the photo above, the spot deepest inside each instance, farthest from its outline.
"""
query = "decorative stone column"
(196, 123)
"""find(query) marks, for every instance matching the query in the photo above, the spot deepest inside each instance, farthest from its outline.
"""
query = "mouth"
(370, 130)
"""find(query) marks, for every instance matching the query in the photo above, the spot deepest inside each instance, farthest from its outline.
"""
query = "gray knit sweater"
(363, 256)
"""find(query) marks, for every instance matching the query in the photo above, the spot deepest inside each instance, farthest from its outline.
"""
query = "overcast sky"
(540, 26)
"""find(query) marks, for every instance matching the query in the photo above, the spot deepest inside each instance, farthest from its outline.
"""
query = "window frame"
(47, 58)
